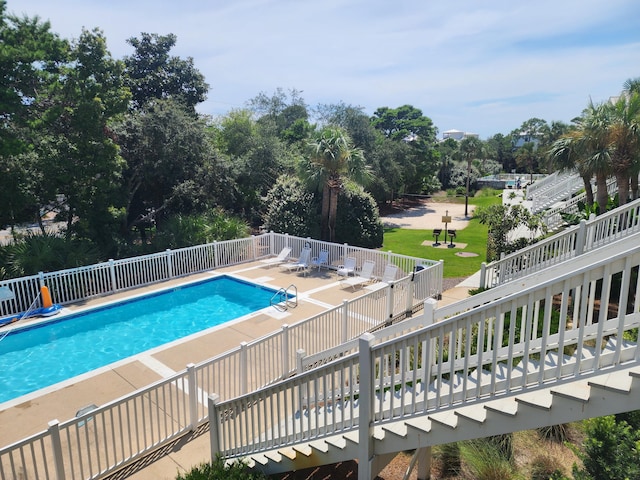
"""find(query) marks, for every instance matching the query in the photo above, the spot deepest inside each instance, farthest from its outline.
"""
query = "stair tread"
(507, 406)
(303, 449)
(540, 399)
(579, 391)
(351, 436)
(288, 452)
(448, 418)
(477, 413)
(319, 445)
(615, 381)
(422, 424)
(337, 441)
(397, 428)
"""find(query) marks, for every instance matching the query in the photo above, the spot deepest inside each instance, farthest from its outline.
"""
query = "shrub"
(217, 470)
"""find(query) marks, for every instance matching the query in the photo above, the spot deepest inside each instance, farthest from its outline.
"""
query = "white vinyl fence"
(103, 440)
(78, 284)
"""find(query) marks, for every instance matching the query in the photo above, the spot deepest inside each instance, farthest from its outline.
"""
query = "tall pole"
(466, 195)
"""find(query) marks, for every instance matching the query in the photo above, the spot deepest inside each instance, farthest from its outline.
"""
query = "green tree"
(30, 58)
(167, 151)
(153, 74)
(502, 219)
(75, 146)
(358, 221)
(331, 158)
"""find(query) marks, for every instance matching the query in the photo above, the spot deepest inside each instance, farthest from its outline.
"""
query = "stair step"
(303, 449)
(421, 424)
(539, 399)
(378, 433)
(338, 442)
(288, 452)
(573, 391)
(351, 437)
(508, 406)
(476, 413)
(260, 458)
(448, 419)
(635, 372)
(397, 428)
(613, 382)
(319, 445)
(273, 456)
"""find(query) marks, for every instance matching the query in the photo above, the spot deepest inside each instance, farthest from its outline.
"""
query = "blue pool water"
(42, 355)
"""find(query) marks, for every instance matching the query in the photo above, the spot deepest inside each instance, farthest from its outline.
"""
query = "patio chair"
(321, 260)
(365, 276)
(349, 267)
(301, 264)
(389, 274)
(281, 258)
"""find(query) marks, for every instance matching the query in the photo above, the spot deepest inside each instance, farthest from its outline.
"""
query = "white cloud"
(478, 66)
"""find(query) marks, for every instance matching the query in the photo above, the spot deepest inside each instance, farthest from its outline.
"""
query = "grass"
(409, 242)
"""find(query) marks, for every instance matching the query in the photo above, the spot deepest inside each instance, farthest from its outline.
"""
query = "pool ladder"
(281, 300)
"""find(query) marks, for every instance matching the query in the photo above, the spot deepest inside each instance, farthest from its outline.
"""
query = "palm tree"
(332, 158)
(564, 154)
(623, 133)
(586, 146)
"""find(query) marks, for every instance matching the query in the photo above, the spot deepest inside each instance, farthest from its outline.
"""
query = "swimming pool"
(38, 356)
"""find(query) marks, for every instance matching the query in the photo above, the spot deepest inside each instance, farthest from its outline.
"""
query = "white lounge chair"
(301, 264)
(365, 276)
(281, 258)
(349, 267)
(389, 274)
(321, 260)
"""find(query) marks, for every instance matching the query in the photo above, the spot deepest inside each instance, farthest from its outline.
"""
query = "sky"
(480, 66)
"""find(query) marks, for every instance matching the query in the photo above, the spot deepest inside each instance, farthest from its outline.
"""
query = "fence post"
(243, 368)
(285, 350)
(300, 354)
(483, 273)
(581, 237)
(429, 311)
(215, 254)
(390, 301)
(41, 279)
(253, 247)
(193, 396)
(345, 249)
(58, 463)
(112, 272)
(169, 263)
(366, 402)
(345, 320)
(214, 425)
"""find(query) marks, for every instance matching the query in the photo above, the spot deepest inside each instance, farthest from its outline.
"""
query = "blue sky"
(482, 66)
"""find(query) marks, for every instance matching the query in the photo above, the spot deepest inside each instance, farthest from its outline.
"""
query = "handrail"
(588, 235)
(282, 299)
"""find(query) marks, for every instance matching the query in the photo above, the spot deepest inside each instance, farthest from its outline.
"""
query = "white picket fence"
(113, 435)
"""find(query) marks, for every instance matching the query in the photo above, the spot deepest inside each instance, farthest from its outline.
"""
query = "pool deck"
(317, 291)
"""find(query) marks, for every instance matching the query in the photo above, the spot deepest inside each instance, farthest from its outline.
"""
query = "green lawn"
(409, 242)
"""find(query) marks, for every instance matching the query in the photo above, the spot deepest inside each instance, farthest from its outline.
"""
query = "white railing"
(563, 189)
(122, 431)
(588, 235)
(541, 184)
(79, 284)
(552, 217)
(484, 352)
